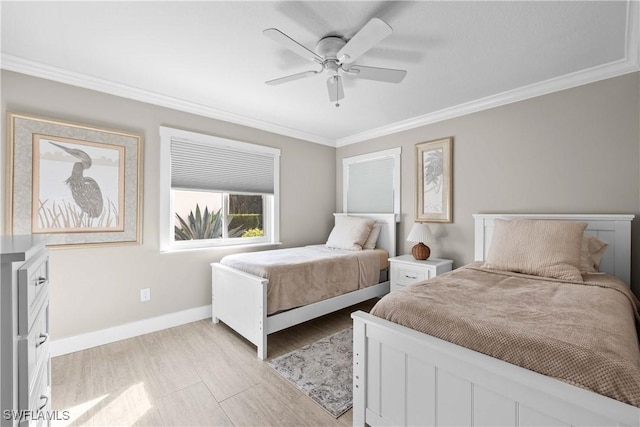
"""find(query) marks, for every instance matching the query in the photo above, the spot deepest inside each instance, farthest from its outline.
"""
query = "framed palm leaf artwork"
(434, 181)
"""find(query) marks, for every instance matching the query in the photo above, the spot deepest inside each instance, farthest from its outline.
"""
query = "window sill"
(220, 247)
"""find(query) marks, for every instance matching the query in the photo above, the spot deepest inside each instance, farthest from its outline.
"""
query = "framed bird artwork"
(79, 184)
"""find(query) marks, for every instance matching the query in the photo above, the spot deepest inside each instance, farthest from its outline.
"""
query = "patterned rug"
(323, 371)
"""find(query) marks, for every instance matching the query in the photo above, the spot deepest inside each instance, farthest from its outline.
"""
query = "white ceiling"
(211, 58)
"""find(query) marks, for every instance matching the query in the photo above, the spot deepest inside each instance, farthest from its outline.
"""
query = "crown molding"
(504, 98)
(631, 63)
(37, 69)
(627, 65)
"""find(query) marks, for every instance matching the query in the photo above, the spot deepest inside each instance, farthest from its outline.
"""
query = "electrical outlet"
(145, 294)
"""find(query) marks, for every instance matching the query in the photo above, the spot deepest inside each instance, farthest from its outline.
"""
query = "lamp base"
(421, 251)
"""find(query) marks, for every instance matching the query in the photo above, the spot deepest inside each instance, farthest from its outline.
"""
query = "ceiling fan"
(336, 56)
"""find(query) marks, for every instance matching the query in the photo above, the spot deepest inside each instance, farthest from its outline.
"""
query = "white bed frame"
(239, 299)
(404, 377)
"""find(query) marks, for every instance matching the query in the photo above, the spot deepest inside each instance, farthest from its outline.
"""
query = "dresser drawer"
(407, 275)
(33, 286)
(40, 399)
(33, 357)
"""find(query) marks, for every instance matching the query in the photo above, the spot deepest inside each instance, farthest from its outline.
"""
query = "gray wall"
(97, 288)
(574, 151)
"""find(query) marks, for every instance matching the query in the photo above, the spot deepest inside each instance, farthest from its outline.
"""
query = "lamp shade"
(420, 232)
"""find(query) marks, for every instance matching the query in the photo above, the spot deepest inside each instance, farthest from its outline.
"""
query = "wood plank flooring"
(199, 374)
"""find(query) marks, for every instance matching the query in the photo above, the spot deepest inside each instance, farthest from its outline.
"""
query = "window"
(216, 192)
(371, 182)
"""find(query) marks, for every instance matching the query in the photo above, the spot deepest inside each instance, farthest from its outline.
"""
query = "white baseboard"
(105, 336)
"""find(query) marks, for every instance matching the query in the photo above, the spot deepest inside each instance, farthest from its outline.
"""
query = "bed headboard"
(387, 238)
(613, 229)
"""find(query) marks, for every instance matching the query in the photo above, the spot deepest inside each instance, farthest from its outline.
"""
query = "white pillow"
(350, 232)
(372, 240)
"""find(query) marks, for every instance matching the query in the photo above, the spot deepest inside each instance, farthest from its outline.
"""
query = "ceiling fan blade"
(280, 37)
(334, 86)
(388, 75)
(373, 32)
(291, 78)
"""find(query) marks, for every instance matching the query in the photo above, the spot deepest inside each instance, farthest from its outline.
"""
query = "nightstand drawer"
(407, 275)
(406, 270)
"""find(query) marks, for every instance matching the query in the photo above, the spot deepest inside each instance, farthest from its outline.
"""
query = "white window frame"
(271, 204)
(394, 153)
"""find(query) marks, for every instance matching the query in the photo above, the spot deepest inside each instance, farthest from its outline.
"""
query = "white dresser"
(25, 367)
(406, 270)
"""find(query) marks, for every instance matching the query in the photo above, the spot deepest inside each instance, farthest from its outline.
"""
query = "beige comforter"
(304, 275)
(581, 333)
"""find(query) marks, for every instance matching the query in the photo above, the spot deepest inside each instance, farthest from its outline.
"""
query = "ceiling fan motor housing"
(329, 47)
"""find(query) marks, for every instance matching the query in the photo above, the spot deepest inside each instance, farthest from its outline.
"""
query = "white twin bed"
(402, 376)
(244, 300)
(406, 377)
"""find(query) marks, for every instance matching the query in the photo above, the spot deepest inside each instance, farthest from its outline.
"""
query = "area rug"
(323, 371)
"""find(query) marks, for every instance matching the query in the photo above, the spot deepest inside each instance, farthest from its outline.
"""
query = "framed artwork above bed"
(434, 181)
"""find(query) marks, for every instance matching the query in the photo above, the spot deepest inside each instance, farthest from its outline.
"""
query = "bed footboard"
(404, 377)
(239, 299)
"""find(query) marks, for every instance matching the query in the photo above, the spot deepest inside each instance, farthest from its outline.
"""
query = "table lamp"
(420, 232)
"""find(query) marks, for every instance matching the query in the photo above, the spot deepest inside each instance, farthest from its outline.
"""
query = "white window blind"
(371, 182)
(219, 168)
(210, 169)
(371, 186)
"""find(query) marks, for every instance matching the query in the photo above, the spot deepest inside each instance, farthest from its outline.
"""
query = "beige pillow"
(372, 240)
(538, 247)
(591, 253)
(350, 232)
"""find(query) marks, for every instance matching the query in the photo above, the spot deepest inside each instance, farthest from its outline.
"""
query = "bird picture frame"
(79, 184)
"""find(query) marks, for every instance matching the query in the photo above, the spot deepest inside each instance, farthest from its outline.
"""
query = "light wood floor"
(195, 374)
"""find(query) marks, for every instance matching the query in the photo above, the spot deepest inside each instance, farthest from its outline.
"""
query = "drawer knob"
(46, 401)
(410, 277)
(42, 339)
(41, 281)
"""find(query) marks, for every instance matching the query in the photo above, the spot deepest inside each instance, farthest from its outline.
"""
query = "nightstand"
(405, 270)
